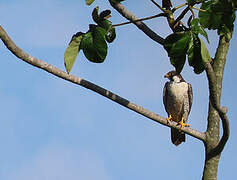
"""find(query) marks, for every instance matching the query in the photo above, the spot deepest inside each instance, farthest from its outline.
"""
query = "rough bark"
(213, 146)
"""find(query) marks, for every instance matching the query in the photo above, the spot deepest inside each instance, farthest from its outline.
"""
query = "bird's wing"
(165, 96)
(190, 96)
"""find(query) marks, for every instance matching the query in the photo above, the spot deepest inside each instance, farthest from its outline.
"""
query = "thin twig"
(178, 7)
(157, 5)
(93, 87)
(193, 7)
(184, 12)
(193, 14)
(142, 19)
(142, 26)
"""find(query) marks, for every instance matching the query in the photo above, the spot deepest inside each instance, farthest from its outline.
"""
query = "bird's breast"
(178, 90)
(175, 102)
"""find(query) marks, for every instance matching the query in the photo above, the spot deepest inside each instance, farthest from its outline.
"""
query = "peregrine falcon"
(177, 98)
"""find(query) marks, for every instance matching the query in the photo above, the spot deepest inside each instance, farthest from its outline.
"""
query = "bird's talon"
(169, 119)
(183, 124)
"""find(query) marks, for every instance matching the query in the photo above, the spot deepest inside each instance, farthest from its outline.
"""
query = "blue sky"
(52, 129)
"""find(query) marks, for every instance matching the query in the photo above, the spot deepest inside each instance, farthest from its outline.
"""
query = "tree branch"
(181, 16)
(142, 19)
(178, 7)
(86, 84)
(131, 17)
(157, 5)
(184, 12)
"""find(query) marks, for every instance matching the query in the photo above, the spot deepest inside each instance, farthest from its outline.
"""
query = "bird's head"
(174, 76)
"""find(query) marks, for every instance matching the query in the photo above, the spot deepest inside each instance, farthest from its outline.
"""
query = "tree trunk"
(213, 128)
(212, 139)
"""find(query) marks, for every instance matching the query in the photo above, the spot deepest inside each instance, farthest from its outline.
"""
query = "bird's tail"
(177, 137)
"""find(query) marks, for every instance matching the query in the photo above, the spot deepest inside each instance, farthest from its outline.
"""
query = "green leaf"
(217, 14)
(105, 14)
(191, 51)
(176, 45)
(194, 24)
(72, 51)
(111, 35)
(95, 14)
(204, 33)
(197, 54)
(225, 31)
(94, 45)
(106, 24)
(190, 1)
(88, 48)
(178, 62)
(196, 28)
(101, 19)
(89, 2)
(204, 52)
(99, 41)
(208, 18)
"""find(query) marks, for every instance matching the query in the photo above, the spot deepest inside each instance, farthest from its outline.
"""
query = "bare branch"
(193, 7)
(178, 7)
(157, 5)
(184, 12)
(131, 17)
(142, 19)
(93, 87)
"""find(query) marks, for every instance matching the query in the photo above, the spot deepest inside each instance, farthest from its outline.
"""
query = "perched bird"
(177, 98)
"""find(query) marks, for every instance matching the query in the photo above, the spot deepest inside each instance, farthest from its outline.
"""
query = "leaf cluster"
(218, 15)
(214, 15)
(187, 43)
(93, 43)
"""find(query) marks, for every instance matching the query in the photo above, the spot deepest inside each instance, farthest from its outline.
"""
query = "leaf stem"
(193, 7)
(193, 14)
(141, 25)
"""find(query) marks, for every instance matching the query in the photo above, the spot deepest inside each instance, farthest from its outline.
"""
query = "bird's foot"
(182, 124)
(169, 118)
